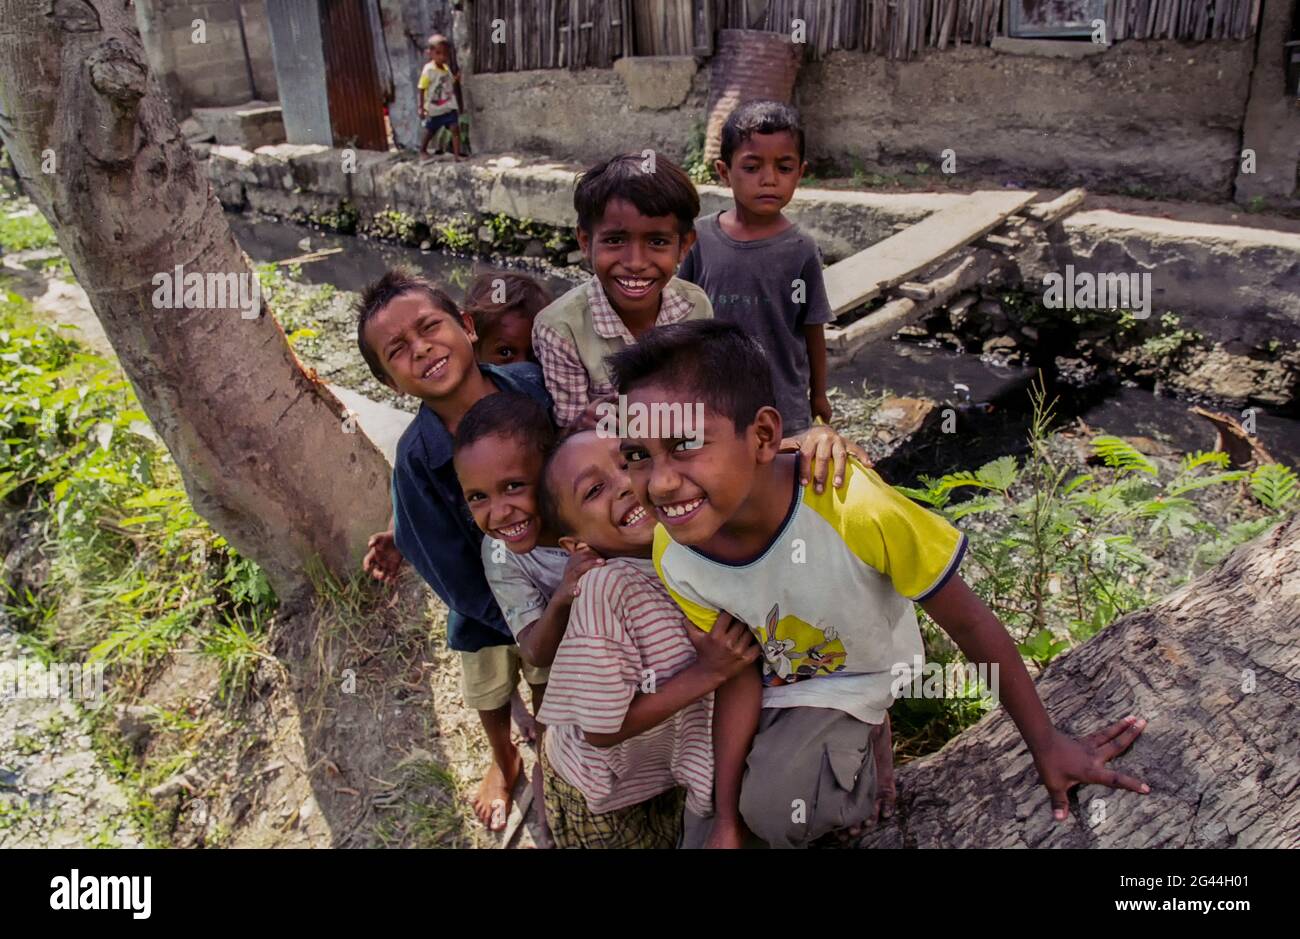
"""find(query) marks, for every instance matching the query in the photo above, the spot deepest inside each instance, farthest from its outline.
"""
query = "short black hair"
(759, 117)
(395, 283)
(666, 191)
(523, 294)
(509, 414)
(548, 504)
(716, 363)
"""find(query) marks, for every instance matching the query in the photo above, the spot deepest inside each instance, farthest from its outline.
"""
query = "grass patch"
(23, 228)
(120, 569)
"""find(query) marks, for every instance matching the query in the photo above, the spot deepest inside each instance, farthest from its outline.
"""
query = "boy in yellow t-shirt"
(437, 91)
(825, 580)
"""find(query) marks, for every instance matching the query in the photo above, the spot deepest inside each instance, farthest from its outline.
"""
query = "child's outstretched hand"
(382, 560)
(580, 561)
(820, 448)
(1065, 762)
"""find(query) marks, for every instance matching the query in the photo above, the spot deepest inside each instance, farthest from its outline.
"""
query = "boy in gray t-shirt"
(523, 583)
(758, 268)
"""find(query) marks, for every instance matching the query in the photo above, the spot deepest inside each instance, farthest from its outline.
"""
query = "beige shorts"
(488, 677)
(810, 771)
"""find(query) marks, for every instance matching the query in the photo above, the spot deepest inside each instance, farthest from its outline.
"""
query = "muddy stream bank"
(988, 392)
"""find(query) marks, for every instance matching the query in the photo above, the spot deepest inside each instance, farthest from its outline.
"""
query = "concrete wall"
(216, 72)
(1273, 118)
(297, 43)
(1147, 118)
(588, 115)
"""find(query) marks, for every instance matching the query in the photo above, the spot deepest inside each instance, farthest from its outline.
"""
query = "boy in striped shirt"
(826, 581)
(629, 703)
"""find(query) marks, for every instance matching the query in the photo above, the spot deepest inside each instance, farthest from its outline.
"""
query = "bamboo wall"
(539, 33)
(551, 34)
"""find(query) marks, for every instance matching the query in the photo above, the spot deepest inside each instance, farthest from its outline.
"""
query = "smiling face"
(695, 487)
(499, 476)
(764, 172)
(508, 339)
(634, 256)
(425, 350)
(594, 497)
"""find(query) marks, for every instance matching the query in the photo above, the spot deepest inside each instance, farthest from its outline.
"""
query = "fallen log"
(1242, 447)
(1215, 669)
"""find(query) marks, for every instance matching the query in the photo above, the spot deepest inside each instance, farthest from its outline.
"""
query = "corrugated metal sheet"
(356, 101)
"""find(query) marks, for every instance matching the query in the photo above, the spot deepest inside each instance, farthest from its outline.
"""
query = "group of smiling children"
(709, 626)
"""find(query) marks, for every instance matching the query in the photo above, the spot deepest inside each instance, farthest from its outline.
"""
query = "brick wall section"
(747, 65)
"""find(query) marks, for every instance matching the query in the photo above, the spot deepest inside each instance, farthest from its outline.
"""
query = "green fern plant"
(1274, 486)
(1122, 456)
(1070, 552)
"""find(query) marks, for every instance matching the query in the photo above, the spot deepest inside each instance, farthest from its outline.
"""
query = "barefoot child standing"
(417, 342)
(437, 91)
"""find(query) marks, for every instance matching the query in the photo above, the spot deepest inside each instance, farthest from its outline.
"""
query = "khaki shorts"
(810, 771)
(489, 676)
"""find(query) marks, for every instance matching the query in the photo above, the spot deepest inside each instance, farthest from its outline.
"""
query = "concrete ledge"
(1233, 284)
(1240, 285)
(250, 126)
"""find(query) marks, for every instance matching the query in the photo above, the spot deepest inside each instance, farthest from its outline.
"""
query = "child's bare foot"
(493, 800)
(523, 719)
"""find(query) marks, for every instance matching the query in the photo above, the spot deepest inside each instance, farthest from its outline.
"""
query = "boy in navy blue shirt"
(417, 342)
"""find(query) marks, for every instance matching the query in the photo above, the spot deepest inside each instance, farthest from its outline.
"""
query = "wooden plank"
(860, 278)
(1063, 205)
(880, 324)
(963, 273)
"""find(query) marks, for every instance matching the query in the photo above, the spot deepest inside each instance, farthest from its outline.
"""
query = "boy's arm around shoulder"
(721, 654)
(540, 639)
(599, 642)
